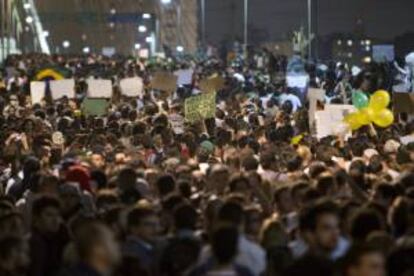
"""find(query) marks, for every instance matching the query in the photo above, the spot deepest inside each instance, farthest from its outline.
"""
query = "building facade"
(124, 27)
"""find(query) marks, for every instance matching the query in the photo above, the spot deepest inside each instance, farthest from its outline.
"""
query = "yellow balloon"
(352, 120)
(383, 118)
(365, 116)
(379, 100)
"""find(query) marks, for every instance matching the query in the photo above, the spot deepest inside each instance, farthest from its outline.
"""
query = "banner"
(212, 84)
(184, 76)
(200, 107)
(62, 88)
(37, 91)
(403, 102)
(132, 87)
(99, 89)
(164, 81)
(94, 107)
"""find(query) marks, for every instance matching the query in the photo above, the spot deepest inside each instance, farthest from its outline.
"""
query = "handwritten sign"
(132, 87)
(212, 84)
(200, 107)
(95, 107)
(62, 88)
(37, 91)
(403, 102)
(99, 89)
(164, 81)
(184, 76)
(330, 120)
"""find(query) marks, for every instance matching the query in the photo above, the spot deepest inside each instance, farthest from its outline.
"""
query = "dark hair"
(400, 261)
(185, 217)
(137, 214)
(311, 265)
(100, 178)
(325, 183)
(43, 202)
(231, 212)
(126, 178)
(250, 163)
(235, 180)
(224, 243)
(309, 215)
(89, 235)
(365, 221)
(165, 184)
(356, 252)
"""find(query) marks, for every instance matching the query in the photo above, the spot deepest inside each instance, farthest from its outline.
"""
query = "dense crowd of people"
(127, 194)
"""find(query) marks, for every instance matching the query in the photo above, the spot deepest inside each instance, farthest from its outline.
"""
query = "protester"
(142, 189)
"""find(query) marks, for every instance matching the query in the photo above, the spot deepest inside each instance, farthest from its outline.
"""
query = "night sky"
(273, 19)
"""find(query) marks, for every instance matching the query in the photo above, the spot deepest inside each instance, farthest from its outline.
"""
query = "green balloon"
(360, 99)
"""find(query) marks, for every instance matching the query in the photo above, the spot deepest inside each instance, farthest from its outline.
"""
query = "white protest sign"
(99, 88)
(132, 87)
(62, 88)
(405, 140)
(184, 76)
(330, 121)
(177, 123)
(300, 81)
(37, 91)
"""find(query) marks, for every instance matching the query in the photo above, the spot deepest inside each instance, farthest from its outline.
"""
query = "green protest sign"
(200, 107)
(94, 107)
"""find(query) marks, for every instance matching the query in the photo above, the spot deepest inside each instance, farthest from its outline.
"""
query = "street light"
(142, 29)
(166, 2)
(246, 21)
(146, 16)
(86, 50)
(27, 6)
(66, 44)
(180, 49)
(203, 22)
(137, 46)
(309, 29)
(29, 20)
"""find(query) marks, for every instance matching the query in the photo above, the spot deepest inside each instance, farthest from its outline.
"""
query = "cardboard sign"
(403, 102)
(37, 91)
(200, 107)
(62, 88)
(132, 87)
(95, 107)
(212, 84)
(177, 123)
(184, 76)
(164, 81)
(316, 94)
(99, 88)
